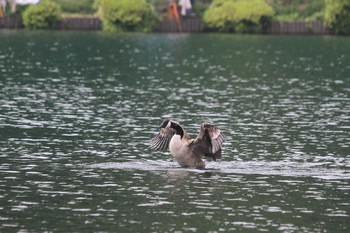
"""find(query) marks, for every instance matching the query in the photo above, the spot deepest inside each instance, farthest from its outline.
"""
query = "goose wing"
(162, 139)
(209, 141)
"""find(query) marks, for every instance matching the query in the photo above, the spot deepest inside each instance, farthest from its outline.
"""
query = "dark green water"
(77, 111)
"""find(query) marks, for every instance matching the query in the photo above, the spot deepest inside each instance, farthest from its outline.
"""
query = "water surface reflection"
(77, 111)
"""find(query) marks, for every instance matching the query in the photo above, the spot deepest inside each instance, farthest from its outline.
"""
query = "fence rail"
(298, 27)
(12, 22)
(86, 23)
(188, 25)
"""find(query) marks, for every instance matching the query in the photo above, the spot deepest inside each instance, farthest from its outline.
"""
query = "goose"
(189, 152)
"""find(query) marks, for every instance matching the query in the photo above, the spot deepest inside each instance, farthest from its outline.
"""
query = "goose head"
(173, 125)
(165, 124)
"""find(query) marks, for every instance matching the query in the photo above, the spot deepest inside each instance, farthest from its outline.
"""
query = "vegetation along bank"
(233, 16)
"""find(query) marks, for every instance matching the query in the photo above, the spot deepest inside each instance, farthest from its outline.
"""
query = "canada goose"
(189, 152)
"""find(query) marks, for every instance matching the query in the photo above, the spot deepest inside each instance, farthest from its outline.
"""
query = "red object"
(173, 12)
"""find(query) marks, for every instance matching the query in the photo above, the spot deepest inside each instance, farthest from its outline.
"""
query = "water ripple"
(292, 169)
(77, 111)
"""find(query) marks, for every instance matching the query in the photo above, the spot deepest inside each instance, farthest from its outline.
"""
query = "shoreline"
(188, 25)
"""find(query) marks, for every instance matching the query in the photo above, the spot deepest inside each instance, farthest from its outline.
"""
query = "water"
(77, 111)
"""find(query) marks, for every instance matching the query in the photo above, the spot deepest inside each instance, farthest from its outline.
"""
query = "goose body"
(186, 151)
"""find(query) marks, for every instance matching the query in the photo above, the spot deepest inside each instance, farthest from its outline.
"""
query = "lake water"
(77, 111)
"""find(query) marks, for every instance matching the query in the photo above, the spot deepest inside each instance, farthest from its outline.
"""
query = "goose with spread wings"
(186, 151)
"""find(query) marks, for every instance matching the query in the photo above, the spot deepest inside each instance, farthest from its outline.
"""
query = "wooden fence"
(12, 22)
(86, 23)
(188, 25)
(301, 27)
(297, 27)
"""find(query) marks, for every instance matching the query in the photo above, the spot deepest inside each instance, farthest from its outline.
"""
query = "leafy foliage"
(238, 15)
(42, 16)
(77, 6)
(160, 6)
(126, 15)
(199, 8)
(337, 16)
(19, 10)
(292, 10)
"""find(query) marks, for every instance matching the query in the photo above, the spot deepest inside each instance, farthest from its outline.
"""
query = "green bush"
(200, 7)
(238, 16)
(296, 10)
(126, 15)
(42, 16)
(19, 10)
(337, 16)
(76, 6)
